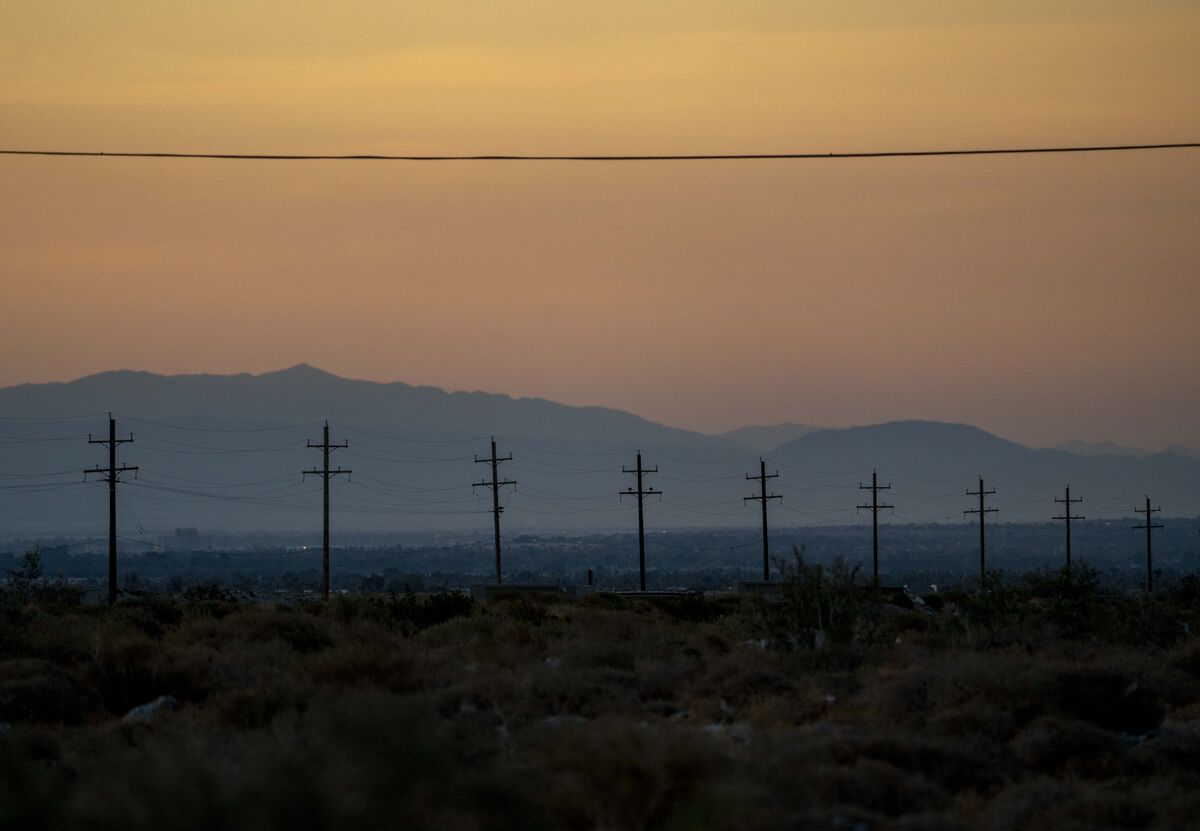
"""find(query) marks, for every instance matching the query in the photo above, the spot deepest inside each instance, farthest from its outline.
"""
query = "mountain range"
(227, 452)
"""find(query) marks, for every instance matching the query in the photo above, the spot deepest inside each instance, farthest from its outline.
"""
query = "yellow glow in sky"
(1045, 298)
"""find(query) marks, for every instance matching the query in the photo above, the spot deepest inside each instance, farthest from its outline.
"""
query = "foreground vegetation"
(1043, 703)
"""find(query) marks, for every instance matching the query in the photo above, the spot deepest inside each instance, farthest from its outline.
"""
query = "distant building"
(186, 539)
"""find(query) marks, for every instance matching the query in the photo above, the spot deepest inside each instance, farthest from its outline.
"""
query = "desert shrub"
(1186, 658)
(378, 664)
(256, 706)
(817, 609)
(984, 695)
(208, 600)
(188, 671)
(150, 614)
(694, 608)
(1051, 745)
(615, 774)
(810, 771)
(873, 785)
(1147, 620)
(1047, 805)
(41, 632)
(581, 693)
(1075, 606)
(929, 822)
(407, 611)
(26, 584)
(753, 683)
(996, 614)
(953, 763)
(602, 654)
(35, 690)
(1109, 698)
(33, 786)
(303, 633)
(441, 607)
(346, 760)
(602, 600)
(123, 670)
(519, 607)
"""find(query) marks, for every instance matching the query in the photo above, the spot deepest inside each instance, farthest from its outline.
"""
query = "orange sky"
(1044, 298)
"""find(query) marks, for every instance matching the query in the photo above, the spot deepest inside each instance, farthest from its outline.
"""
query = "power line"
(651, 157)
(111, 475)
(495, 485)
(640, 493)
(764, 498)
(190, 429)
(1067, 502)
(1149, 525)
(325, 473)
(982, 512)
(875, 508)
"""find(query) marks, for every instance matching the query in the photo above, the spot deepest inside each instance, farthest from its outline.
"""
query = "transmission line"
(496, 484)
(641, 493)
(325, 473)
(111, 475)
(764, 498)
(649, 157)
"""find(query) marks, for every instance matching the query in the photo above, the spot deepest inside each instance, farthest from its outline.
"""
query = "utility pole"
(982, 512)
(495, 485)
(875, 508)
(1149, 526)
(325, 473)
(112, 475)
(640, 493)
(764, 498)
(1067, 502)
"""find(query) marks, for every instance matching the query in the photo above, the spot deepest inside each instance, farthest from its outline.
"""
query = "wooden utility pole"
(325, 473)
(1149, 525)
(111, 474)
(495, 485)
(875, 508)
(640, 493)
(764, 498)
(982, 512)
(1067, 502)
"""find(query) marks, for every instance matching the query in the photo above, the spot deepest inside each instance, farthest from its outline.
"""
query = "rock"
(145, 712)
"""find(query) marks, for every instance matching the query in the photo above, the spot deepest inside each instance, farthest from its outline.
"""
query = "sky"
(1044, 298)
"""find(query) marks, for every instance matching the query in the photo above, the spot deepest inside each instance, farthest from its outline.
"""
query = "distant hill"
(304, 393)
(226, 453)
(1100, 448)
(1181, 450)
(930, 466)
(765, 438)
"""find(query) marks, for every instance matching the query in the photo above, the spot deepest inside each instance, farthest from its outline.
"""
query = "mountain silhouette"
(226, 452)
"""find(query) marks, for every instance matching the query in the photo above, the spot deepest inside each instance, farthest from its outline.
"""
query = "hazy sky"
(1043, 298)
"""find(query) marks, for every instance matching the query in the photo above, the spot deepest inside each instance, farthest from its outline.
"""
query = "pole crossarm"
(105, 472)
(325, 473)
